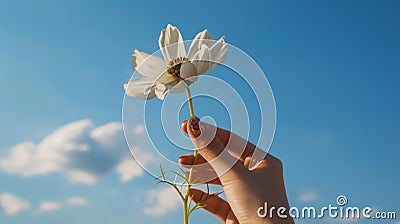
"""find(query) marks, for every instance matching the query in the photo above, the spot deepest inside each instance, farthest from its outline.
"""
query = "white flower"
(178, 69)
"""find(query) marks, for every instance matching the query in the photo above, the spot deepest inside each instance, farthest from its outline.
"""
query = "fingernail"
(194, 125)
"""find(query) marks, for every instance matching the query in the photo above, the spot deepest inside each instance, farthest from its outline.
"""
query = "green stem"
(189, 95)
(185, 212)
(186, 208)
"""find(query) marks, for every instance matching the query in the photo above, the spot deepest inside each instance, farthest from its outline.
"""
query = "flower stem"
(185, 212)
(186, 207)
(189, 95)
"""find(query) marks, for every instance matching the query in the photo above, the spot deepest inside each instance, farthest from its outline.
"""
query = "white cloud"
(82, 152)
(26, 160)
(129, 169)
(139, 129)
(78, 176)
(164, 200)
(13, 205)
(308, 196)
(49, 206)
(78, 201)
(79, 150)
(109, 134)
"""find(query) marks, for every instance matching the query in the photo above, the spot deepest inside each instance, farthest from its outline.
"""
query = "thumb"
(205, 140)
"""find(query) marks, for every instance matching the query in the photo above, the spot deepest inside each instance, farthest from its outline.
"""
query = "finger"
(241, 148)
(247, 162)
(189, 158)
(183, 126)
(221, 133)
(236, 145)
(212, 150)
(203, 177)
(270, 162)
(203, 173)
(215, 205)
(188, 162)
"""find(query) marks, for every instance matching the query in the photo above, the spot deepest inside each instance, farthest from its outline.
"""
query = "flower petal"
(171, 43)
(202, 59)
(178, 88)
(160, 91)
(201, 38)
(147, 65)
(188, 70)
(218, 53)
(166, 79)
(140, 88)
(189, 81)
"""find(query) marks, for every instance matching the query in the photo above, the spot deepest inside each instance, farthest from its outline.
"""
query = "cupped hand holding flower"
(245, 190)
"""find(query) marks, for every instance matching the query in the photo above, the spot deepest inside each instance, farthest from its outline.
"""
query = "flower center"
(174, 68)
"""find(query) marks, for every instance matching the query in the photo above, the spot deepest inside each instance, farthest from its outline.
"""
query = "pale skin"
(245, 190)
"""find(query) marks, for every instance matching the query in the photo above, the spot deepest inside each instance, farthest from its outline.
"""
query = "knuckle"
(274, 162)
(279, 163)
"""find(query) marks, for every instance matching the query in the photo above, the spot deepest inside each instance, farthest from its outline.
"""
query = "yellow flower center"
(174, 68)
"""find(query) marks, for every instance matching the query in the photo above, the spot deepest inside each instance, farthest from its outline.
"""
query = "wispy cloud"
(79, 176)
(308, 196)
(163, 201)
(13, 205)
(49, 206)
(139, 130)
(79, 150)
(129, 169)
(109, 135)
(76, 201)
(52, 206)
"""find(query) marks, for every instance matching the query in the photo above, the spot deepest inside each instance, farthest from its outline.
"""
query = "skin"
(245, 190)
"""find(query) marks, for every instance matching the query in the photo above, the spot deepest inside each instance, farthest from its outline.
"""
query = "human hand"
(226, 157)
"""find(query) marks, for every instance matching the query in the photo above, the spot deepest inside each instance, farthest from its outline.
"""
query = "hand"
(246, 191)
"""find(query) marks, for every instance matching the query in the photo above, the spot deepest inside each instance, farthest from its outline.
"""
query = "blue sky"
(332, 65)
